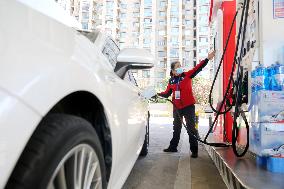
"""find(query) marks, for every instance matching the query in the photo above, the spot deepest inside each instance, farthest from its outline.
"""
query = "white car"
(71, 116)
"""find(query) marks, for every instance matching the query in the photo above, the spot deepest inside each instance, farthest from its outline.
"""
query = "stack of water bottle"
(268, 78)
(267, 115)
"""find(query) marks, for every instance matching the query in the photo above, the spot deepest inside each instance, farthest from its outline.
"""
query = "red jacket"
(185, 86)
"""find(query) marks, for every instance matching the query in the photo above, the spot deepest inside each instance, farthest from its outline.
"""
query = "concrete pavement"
(159, 170)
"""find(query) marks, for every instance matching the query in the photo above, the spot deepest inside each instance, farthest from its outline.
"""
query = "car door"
(125, 105)
(138, 132)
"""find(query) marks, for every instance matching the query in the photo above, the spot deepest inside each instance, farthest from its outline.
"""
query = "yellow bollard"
(196, 120)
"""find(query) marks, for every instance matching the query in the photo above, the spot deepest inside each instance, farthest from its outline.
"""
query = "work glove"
(155, 96)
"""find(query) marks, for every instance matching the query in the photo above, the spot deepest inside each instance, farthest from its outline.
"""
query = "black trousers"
(189, 114)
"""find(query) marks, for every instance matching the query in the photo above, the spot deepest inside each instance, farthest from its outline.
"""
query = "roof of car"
(53, 10)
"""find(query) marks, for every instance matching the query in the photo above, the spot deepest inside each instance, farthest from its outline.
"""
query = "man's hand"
(211, 55)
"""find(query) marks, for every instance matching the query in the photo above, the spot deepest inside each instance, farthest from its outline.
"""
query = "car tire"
(62, 147)
(144, 150)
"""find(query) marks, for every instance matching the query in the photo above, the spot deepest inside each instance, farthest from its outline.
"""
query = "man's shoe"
(169, 149)
(194, 155)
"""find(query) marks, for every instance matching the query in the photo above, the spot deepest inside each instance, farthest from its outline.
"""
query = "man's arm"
(167, 92)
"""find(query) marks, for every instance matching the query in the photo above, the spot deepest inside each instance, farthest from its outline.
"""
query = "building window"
(187, 32)
(136, 24)
(123, 5)
(135, 34)
(161, 74)
(85, 7)
(147, 41)
(109, 23)
(186, 62)
(187, 42)
(137, 5)
(121, 45)
(163, 64)
(136, 14)
(148, 2)
(136, 43)
(162, 54)
(203, 29)
(203, 39)
(203, 52)
(174, 53)
(188, 22)
(174, 11)
(203, 9)
(175, 30)
(146, 73)
(84, 25)
(147, 20)
(162, 22)
(147, 31)
(174, 19)
(85, 15)
(162, 3)
(187, 12)
(123, 25)
(174, 41)
(162, 43)
(109, 4)
(162, 32)
(123, 35)
(162, 13)
(148, 12)
(187, 54)
(123, 15)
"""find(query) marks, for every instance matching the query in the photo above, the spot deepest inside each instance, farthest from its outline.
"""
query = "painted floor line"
(183, 178)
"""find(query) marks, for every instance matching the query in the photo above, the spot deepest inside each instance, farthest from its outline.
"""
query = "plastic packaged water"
(267, 78)
(253, 83)
(256, 78)
(278, 77)
(259, 77)
(281, 80)
(273, 82)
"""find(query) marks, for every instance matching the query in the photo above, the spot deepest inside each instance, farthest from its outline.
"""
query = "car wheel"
(64, 152)
(144, 150)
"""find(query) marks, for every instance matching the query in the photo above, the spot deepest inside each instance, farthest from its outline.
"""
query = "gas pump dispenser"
(253, 76)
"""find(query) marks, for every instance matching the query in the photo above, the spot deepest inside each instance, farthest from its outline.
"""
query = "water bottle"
(281, 84)
(272, 77)
(276, 79)
(260, 78)
(266, 81)
(256, 83)
(253, 75)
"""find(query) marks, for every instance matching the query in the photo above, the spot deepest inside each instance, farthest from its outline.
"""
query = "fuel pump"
(256, 97)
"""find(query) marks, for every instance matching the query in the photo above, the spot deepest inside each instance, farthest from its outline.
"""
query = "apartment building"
(172, 30)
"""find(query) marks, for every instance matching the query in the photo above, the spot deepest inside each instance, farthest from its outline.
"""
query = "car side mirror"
(133, 59)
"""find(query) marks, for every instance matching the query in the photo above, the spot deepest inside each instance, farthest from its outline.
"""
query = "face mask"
(179, 70)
